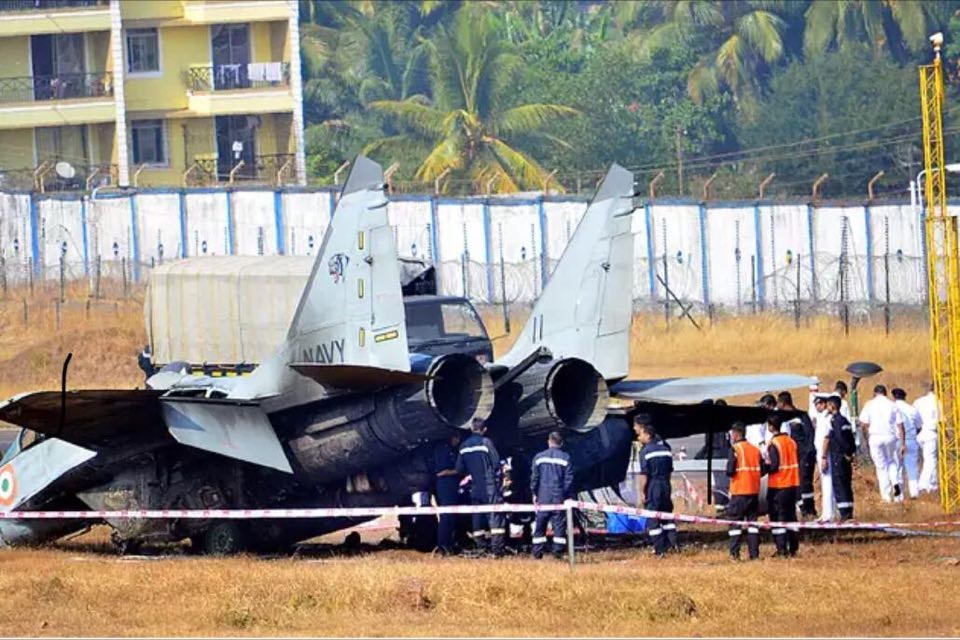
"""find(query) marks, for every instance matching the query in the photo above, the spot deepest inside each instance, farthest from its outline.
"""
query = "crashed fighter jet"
(342, 414)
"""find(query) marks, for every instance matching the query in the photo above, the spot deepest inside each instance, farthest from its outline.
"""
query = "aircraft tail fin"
(351, 310)
(586, 308)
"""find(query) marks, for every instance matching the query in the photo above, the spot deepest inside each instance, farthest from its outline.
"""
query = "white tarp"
(211, 309)
(306, 217)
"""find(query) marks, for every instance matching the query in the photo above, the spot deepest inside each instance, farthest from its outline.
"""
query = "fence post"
(96, 282)
(844, 308)
(26, 313)
(123, 267)
(62, 278)
(753, 283)
(886, 274)
(570, 546)
(503, 282)
(31, 274)
(135, 240)
(3, 272)
(278, 220)
(796, 308)
(544, 269)
(666, 278)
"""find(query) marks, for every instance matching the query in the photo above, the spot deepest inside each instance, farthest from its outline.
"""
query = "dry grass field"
(854, 584)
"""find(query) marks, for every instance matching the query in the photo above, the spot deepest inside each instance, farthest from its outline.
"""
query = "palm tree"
(888, 25)
(740, 40)
(467, 127)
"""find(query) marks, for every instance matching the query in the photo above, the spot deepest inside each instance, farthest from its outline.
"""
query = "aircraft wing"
(92, 418)
(710, 387)
(682, 420)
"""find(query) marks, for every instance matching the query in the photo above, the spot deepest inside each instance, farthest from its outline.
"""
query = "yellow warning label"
(387, 335)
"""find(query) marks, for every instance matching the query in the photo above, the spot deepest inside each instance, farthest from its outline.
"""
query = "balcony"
(71, 98)
(260, 87)
(34, 17)
(277, 169)
(228, 77)
(49, 5)
(236, 11)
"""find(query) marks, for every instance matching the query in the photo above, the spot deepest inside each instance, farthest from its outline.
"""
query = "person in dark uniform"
(446, 489)
(744, 471)
(839, 453)
(479, 460)
(656, 466)
(516, 490)
(717, 446)
(783, 483)
(551, 482)
(802, 431)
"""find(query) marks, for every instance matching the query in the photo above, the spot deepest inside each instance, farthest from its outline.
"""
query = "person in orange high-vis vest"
(783, 485)
(744, 470)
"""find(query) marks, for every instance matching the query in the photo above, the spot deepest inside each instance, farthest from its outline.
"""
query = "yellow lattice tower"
(944, 281)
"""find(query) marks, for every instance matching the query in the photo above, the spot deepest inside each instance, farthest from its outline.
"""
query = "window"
(147, 138)
(143, 51)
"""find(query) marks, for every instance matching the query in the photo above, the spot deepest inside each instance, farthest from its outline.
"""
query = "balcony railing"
(276, 169)
(48, 5)
(59, 87)
(225, 77)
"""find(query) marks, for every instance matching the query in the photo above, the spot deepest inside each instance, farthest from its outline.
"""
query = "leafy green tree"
(469, 124)
(886, 26)
(632, 111)
(835, 114)
(739, 41)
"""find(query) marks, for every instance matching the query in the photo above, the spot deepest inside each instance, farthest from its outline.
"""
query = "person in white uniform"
(883, 429)
(821, 420)
(757, 434)
(929, 410)
(840, 389)
(912, 423)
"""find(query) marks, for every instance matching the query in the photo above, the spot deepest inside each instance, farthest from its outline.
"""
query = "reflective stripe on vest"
(746, 481)
(788, 474)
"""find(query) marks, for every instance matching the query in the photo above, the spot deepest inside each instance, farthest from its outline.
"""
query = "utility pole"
(680, 159)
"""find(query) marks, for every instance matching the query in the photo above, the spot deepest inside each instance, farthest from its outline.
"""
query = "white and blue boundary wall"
(721, 253)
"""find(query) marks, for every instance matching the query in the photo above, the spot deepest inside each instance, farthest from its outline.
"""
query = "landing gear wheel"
(221, 539)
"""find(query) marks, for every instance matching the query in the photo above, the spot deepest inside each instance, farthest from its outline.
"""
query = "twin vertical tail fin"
(351, 312)
(586, 309)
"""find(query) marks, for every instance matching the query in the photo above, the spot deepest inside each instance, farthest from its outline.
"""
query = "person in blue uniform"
(656, 467)
(838, 456)
(479, 459)
(446, 489)
(551, 482)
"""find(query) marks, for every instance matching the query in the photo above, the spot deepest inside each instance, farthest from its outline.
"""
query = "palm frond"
(524, 170)
(821, 26)
(911, 18)
(729, 61)
(702, 82)
(529, 118)
(761, 30)
(444, 157)
(426, 121)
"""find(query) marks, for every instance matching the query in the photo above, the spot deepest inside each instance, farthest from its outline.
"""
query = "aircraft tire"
(221, 539)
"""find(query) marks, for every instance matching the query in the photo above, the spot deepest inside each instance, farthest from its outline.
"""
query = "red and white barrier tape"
(254, 514)
(682, 517)
(371, 512)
